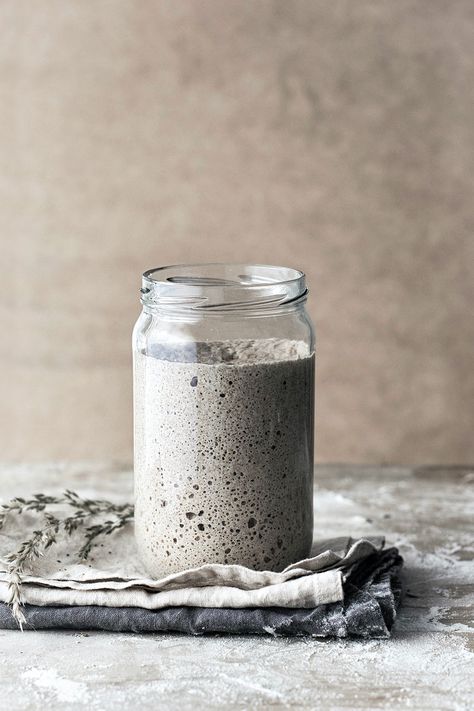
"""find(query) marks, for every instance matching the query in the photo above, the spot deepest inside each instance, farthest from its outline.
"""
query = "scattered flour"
(65, 690)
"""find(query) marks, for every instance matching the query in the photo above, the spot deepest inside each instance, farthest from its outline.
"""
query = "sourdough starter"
(224, 454)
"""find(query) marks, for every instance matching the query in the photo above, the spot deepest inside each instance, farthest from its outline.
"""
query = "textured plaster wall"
(336, 136)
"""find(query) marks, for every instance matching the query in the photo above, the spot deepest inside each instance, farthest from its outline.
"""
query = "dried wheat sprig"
(103, 529)
(94, 506)
(42, 539)
(30, 549)
(38, 503)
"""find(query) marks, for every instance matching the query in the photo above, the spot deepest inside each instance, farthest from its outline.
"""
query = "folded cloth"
(328, 593)
(372, 593)
(114, 577)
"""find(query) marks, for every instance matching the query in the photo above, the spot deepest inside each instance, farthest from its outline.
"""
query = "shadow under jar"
(224, 400)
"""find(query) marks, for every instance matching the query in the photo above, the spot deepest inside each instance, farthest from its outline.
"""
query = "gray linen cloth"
(372, 593)
(347, 587)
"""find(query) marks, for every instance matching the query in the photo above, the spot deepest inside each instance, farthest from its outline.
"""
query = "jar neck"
(230, 290)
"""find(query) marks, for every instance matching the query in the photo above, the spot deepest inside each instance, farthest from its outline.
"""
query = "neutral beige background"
(334, 135)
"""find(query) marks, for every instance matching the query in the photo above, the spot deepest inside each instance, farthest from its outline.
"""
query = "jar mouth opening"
(221, 286)
(218, 274)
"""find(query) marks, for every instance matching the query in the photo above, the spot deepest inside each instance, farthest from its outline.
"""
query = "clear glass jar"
(224, 400)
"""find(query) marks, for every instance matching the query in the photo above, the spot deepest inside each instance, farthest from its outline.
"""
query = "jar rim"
(222, 286)
(209, 281)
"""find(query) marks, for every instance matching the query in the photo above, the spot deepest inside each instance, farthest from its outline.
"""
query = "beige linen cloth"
(114, 577)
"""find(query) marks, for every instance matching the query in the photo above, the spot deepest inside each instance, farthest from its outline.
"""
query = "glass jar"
(223, 400)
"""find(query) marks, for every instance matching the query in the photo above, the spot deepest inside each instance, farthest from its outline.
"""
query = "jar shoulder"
(152, 328)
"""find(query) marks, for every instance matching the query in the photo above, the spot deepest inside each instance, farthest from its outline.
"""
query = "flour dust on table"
(224, 454)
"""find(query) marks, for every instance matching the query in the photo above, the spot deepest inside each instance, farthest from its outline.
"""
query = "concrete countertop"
(428, 663)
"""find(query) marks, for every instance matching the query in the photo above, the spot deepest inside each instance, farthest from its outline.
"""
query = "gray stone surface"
(426, 512)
